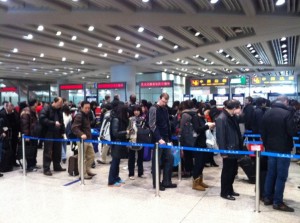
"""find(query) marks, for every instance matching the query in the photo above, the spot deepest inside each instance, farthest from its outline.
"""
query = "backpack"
(105, 127)
(188, 137)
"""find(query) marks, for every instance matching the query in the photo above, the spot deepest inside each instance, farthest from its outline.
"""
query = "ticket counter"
(113, 88)
(39, 92)
(72, 92)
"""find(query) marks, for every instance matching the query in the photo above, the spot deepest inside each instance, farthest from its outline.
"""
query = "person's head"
(57, 102)
(9, 107)
(283, 99)
(107, 98)
(248, 100)
(85, 107)
(132, 98)
(66, 109)
(232, 106)
(137, 110)
(188, 104)
(33, 103)
(259, 102)
(163, 100)
(213, 102)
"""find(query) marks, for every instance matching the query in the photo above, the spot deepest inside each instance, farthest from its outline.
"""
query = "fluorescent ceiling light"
(120, 51)
(85, 50)
(141, 29)
(213, 1)
(100, 44)
(118, 38)
(283, 39)
(160, 37)
(136, 55)
(145, 1)
(58, 33)
(40, 28)
(28, 37)
(82, 62)
(249, 45)
(15, 50)
(138, 45)
(279, 2)
(61, 44)
(74, 37)
(175, 47)
(91, 28)
(283, 46)
(197, 33)
(33, 59)
(63, 59)
(42, 55)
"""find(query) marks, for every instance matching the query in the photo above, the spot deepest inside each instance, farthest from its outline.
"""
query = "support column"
(124, 73)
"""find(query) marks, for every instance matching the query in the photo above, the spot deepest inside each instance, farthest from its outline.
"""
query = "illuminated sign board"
(272, 80)
(116, 85)
(71, 86)
(150, 84)
(239, 80)
(209, 82)
(8, 89)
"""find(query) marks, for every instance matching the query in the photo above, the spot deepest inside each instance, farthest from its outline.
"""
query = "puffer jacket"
(82, 125)
(28, 120)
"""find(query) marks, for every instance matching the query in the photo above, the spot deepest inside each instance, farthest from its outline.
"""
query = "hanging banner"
(209, 82)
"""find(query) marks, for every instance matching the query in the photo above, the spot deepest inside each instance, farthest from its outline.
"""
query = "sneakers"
(115, 185)
(283, 207)
(142, 176)
(121, 181)
(131, 178)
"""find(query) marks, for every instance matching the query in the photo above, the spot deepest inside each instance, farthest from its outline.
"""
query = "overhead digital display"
(150, 84)
(209, 82)
(8, 89)
(272, 80)
(116, 85)
(71, 86)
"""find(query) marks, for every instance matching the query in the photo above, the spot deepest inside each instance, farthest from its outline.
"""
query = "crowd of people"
(210, 127)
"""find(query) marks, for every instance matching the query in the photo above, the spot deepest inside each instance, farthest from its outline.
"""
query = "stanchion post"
(156, 171)
(24, 156)
(81, 161)
(179, 164)
(257, 181)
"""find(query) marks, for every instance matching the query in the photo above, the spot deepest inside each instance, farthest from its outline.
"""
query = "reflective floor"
(38, 198)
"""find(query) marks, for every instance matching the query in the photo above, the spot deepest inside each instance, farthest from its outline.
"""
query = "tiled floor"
(38, 198)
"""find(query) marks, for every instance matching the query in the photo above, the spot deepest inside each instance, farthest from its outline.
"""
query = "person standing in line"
(67, 117)
(81, 127)
(229, 138)
(160, 126)
(278, 129)
(52, 122)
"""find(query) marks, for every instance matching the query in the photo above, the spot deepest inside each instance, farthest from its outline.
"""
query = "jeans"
(165, 160)
(278, 169)
(113, 176)
(64, 150)
(95, 145)
(131, 162)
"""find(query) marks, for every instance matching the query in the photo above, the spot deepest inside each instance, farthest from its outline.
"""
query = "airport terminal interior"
(191, 49)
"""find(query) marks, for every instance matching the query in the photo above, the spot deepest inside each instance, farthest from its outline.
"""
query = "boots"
(197, 186)
(201, 182)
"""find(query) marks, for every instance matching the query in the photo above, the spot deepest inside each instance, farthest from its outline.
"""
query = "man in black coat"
(278, 129)
(51, 119)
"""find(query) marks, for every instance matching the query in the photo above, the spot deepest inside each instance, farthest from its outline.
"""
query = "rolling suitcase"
(73, 165)
(249, 168)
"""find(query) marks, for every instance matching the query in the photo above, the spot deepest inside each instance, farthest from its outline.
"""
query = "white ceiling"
(229, 25)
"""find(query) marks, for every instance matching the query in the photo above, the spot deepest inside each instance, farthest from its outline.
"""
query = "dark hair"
(66, 109)
(213, 102)
(56, 99)
(188, 104)
(250, 99)
(84, 103)
(231, 104)
(260, 101)
(32, 102)
(137, 108)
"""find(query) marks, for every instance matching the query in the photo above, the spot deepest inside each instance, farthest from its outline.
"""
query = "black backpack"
(187, 136)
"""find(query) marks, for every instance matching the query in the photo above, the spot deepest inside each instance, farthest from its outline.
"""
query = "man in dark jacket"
(229, 138)
(81, 127)
(160, 126)
(248, 112)
(214, 111)
(278, 129)
(51, 119)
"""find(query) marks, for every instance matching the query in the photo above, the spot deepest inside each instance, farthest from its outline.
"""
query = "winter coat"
(82, 125)
(118, 134)
(28, 120)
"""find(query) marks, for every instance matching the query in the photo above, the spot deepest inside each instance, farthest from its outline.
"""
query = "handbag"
(210, 140)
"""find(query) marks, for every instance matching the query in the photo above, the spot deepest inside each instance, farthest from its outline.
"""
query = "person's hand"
(161, 141)
(83, 136)
(57, 124)
(65, 136)
(211, 125)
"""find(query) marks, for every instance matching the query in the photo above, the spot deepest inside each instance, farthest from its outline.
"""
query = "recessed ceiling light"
(227, 55)
(61, 44)
(75, 0)
(213, 1)
(251, 48)
(283, 39)
(65, 73)
(220, 51)
(284, 51)
(175, 47)
(40, 28)
(237, 62)
(177, 59)
(283, 46)
(279, 2)
(285, 62)
(3, 0)
(120, 51)
(160, 37)
(159, 62)
(212, 62)
(141, 29)
(42, 55)
(103, 55)
(100, 44)
(15, 50)
(118, 38)
(145, 1)
(197, 33)
(85, 50)
(138, 45)
(256, 56)
(74, 37)
(28, 37)
(232, 59)
(82, 77)
(63, 59)
(249, 45)
(252, 51)
(33, 59)
(107, 76)
(91, 28)
(285, 55)
(285, 59)
(136, 55)
(82, 62)
(205, 59)
(58, 33)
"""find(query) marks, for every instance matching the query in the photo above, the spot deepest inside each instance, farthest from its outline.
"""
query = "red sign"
(111, 85)
(8, 89)
(156, 84)
(71, 86)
